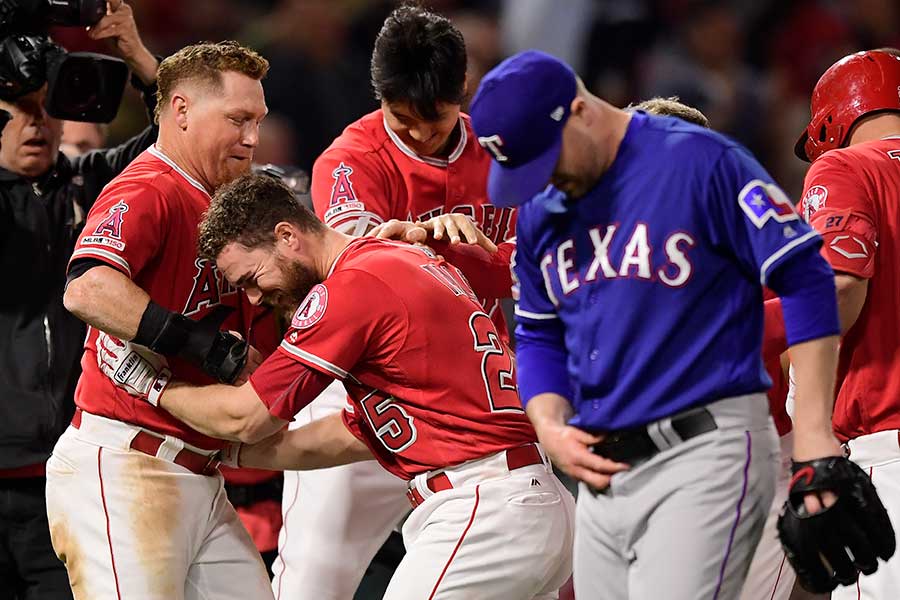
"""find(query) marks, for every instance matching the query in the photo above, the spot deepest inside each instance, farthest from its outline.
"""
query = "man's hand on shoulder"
(120, 29)
(453, 228)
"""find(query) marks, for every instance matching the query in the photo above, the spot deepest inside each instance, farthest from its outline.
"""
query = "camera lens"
(83, 87)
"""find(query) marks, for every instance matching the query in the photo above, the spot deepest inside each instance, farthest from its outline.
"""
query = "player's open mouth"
(35, 142)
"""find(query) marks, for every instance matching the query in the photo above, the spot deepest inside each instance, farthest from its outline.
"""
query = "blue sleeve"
(805, 283)
(541, 359)
(751, 218)
(540, 336)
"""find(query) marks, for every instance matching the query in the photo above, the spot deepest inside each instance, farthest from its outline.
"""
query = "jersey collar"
(158, 154)
(429, 160)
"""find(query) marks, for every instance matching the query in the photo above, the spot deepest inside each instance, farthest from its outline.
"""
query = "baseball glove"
(834, 545)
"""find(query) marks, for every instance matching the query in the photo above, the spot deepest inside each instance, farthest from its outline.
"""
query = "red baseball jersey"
(430, 382)
(852, 196)
(368, 176)
(777, 394)
(144, 224)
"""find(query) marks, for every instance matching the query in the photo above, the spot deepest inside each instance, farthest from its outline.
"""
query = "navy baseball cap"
(518, 114)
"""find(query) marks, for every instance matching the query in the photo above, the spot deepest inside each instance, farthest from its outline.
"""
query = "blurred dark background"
(748, 64)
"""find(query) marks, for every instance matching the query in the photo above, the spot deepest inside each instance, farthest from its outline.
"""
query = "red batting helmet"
(854, 86)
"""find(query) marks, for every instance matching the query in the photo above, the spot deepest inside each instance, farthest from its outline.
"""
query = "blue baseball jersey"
(653, 280)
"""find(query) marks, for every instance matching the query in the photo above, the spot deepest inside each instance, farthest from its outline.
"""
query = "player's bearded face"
(297, 281)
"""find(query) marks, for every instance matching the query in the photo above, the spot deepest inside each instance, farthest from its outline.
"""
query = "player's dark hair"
(246, 211)
(420, 58)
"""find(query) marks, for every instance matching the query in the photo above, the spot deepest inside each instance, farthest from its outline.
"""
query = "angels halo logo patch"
(312, 309)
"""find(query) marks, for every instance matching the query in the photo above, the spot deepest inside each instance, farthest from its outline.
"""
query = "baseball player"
(770, 577)
(413, 159)
(641, 380)
(135, 502)
(850, 196)
(436, 406)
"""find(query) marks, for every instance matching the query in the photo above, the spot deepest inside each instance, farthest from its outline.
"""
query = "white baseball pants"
(132, 526)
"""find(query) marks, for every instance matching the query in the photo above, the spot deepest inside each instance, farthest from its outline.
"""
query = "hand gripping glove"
(137, 370)
(834, 545)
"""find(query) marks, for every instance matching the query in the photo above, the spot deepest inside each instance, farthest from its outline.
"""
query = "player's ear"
(578, 107)
(286, 235)
(179, 106)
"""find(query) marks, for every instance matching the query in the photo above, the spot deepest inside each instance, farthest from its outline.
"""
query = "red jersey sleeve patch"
(312, 309)
(124, 228)
(357, 319)
(348, 193)
(849, 241)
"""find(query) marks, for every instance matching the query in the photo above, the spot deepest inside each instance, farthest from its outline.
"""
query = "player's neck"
(875, 127)
(614, 126)
(171, 147)
(334, 243)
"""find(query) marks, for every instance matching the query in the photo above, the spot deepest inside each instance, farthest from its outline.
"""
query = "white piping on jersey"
(158, 154)
(536, 316)
(435, 162)
(781, 252)
(331, 368)
(891, 137)
(105, 254)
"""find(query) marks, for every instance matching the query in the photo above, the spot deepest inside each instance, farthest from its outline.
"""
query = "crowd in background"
(748, 64)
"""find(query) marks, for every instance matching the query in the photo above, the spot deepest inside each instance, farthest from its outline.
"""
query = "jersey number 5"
(389, 421)
(496, 365)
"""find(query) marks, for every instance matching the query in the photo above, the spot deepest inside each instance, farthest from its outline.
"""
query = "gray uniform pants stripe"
(683, 525)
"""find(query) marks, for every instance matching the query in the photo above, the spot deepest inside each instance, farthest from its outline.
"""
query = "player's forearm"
(815, 364)
(548, 409)
(851, 296)
(321, 444)
(107, 300)
(221, 411)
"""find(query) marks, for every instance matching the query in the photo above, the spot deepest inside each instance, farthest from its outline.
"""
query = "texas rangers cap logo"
(312, 309)
(763, 201)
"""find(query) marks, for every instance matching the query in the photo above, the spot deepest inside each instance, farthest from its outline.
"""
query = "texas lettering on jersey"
(635, 262)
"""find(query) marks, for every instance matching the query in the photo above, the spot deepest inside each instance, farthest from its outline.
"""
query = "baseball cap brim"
(515, 186)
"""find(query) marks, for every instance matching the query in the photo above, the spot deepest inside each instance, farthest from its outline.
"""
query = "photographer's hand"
(119, 28)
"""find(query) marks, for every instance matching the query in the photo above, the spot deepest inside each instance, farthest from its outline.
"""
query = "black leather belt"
(248, 494)
(635, 446)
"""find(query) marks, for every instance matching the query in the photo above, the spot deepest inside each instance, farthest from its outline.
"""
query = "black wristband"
(162, 330)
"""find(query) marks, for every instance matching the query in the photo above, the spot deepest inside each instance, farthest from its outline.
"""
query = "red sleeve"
(352, 425)
(836, 202)
(350, 192)
(774, 335)
(125, 228)
(490, 275)
(351, 315)
(286, 386)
